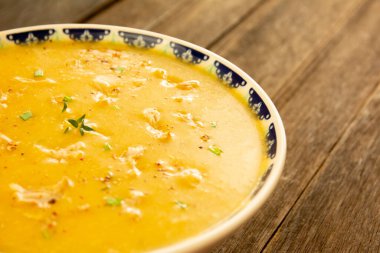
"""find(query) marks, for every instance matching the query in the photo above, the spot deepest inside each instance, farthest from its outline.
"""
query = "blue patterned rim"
(229, 74)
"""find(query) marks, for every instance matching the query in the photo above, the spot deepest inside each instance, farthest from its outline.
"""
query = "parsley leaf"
(80, 123)
(87, 128)
(81, 118)
(64, 106)
(73, 122)
(65, 100)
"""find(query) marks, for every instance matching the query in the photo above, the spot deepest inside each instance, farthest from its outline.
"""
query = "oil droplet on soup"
(106, 148)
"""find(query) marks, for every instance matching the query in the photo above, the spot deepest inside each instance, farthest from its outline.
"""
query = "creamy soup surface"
(107, 148)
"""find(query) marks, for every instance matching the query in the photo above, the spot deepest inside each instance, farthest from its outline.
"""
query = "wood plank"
(203, 22)
(324, 29)
(340, 211)
(19, 13)
(328, 97)
(192, 18)
(138, 14)
(282, 36)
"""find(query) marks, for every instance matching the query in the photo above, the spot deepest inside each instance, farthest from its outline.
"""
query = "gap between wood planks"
(282, 95)
(347, 139)
(311, 64)
(331, 151)
(230, 28)
(308, 64)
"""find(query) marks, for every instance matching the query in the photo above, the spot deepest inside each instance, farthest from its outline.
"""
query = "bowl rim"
(219, 231)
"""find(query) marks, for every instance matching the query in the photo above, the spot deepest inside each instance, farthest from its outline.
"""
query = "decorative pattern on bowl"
(256, 99)
(30, 37)
(81, 34)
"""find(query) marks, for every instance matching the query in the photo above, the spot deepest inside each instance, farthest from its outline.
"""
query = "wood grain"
(191, 20)
(203, 22)
(320, 62)
(282, 36)
(328, 97)
(138, 14)
(19, 13)
(340, 210)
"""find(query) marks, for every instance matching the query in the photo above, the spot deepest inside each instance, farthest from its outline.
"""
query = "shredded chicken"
(158, 134)
(29, 80)
(186, 175)
(158, 72)
(3, 99)
(138, 82)
(180, 98)
(100, 97)
(152, 115)
(135, 152)
(130, 210)
(134, 212)
(188, 85)
(189, 176)
(171, 82)
(167, 84)
(60, 155)
(109, 85)
(57, 99)
(189, 119)
(9, 144)
(84, 207)
(136, 194)
(45, 197)
(130, 158)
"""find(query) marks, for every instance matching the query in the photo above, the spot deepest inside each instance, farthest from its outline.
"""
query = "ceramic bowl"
(254, 96)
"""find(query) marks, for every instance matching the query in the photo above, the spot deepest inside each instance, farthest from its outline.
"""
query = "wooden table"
(320, 63)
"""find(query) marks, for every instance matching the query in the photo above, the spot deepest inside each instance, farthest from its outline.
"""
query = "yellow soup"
(106, 148)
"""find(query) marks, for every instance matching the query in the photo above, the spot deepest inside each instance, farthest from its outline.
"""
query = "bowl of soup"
(115, 139)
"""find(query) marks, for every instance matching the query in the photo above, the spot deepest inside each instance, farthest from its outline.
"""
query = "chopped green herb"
(80, 123)
(107, 147)
(215, 149)
(81, 118)
(87, 128)
(120, 69)
(111, 201)
(67, 99)
(116, 107)
(39, 73)
(213, 124)
(46, 234)
(64, 106)
(73, 122)
(26, 115)
(181, 204)
(66, 130)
